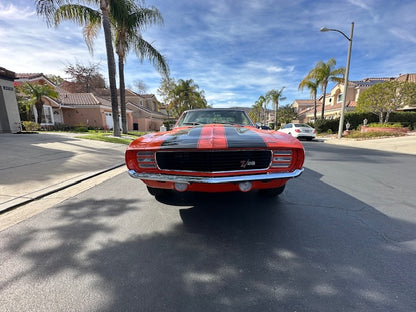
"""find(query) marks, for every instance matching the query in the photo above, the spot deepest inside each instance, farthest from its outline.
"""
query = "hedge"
(407, 119)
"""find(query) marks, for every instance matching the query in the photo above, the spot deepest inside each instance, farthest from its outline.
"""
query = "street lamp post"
(347, 70)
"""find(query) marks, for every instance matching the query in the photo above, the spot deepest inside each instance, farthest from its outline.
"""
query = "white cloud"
(10, 12)
(234, 50)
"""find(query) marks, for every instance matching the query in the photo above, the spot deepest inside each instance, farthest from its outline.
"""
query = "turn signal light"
(146, 160)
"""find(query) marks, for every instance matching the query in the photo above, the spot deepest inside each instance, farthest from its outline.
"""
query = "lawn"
(107, 136)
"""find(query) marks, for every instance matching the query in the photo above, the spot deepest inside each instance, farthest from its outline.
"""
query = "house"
(9, 111)
(333, 101)
(409, 78)
(94, 109)
(145, 113)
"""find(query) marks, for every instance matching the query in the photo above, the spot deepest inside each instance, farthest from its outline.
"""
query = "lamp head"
(324, 29)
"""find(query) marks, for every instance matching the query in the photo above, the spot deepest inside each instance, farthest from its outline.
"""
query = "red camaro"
(215, 150)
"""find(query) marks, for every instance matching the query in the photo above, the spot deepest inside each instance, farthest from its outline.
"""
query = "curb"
(57, 189)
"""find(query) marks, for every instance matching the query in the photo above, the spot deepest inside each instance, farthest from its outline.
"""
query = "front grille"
(211, 161)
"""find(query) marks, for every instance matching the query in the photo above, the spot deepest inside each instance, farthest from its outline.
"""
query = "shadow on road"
(309, 250)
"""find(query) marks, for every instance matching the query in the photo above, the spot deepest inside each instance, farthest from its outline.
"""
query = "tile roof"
(7, 73)
(309, 101)
(337, 107)
(149, 111)
(85, 99)
(407, 77)
(103, 92)
(29, 75)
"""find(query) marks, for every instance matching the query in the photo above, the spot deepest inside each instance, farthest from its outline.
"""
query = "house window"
(47, 115)
(339, 98)
(141, 103)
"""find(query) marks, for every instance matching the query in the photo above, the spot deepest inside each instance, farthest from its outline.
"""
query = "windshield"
(302, 125)
(212, 116)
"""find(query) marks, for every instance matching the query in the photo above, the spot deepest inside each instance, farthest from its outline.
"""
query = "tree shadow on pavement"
(225, 253)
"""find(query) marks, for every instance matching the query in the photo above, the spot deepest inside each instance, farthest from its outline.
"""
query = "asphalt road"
(342, 237)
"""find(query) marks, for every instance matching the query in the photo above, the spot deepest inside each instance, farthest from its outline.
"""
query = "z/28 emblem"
(245, 163)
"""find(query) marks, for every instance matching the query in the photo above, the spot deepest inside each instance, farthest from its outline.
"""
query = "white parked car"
(299, 130)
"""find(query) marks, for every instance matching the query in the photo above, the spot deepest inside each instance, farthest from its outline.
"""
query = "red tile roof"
(7, 73)
(407, 77)
(85, 99)
(29, 75)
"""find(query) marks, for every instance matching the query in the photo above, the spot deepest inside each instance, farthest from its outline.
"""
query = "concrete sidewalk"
(405, 144)
(33, 165)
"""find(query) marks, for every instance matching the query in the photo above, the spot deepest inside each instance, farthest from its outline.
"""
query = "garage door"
(109, 120)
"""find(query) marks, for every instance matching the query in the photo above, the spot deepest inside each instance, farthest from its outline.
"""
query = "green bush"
(356, 119)
(407, 119)
(62, 127)
(324, 125)
(386, 125)
(356, 134)
(30, 126)
(81, 129)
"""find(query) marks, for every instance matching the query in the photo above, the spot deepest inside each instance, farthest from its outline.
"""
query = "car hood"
(215, 136)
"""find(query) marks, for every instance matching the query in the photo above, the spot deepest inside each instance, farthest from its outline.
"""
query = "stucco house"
(333, 101)
(94, 109)
(144, 108)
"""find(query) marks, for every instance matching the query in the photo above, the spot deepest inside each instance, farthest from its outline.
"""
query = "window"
(339, 98)
(47, 115)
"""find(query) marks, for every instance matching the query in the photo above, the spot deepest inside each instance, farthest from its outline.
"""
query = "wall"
(9, 111)
(93, 117)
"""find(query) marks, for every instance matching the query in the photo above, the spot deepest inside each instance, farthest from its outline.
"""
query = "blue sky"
(235, 50)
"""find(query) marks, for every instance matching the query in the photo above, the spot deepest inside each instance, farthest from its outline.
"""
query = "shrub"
(355, 134)
(81, 129)
(62, 127)
(30, 126)
(386, 125)
(407, 119)
(323, 125)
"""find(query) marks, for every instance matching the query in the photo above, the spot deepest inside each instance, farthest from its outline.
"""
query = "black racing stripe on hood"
(243, 137)
(186, 138)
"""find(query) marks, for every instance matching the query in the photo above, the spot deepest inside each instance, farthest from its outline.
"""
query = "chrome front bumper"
(214, 180)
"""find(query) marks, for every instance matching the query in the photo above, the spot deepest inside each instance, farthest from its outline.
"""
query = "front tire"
(272, 192)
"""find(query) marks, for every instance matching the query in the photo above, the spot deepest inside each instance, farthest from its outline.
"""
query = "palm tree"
(128, 20)
(36, 92)
(128, 27)
(262, 102)
(256, 111)
(313, 85)
(57, 10)
(274, 96)
(325, 72)
(186, 95)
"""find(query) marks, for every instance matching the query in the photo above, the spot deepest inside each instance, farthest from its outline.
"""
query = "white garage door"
(109, 120)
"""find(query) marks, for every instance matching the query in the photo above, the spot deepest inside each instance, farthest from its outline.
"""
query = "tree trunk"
(111, 64)
(39, 109)
(323, 102)
(386, 120)
(122, 94)
(275, 115)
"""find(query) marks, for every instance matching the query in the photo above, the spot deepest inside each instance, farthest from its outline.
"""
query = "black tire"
(158, 192)
(272, 192)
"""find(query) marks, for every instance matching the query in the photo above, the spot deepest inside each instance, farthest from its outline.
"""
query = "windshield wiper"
(191, 123)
